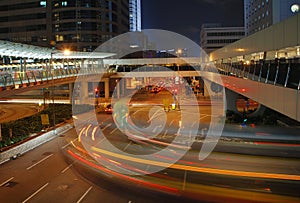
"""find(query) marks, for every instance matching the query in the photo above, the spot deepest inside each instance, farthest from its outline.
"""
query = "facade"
(214, 36)
(260, 14)
(135, 21)
(79, 25)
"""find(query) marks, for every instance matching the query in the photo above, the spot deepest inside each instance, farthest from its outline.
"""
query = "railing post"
(287, 74)
(277, 71)
(268, 72)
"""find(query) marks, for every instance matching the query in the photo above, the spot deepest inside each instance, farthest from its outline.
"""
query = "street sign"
(45, 119)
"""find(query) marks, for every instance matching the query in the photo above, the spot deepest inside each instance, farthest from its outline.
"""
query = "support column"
(83, 92)
(231, 98)
(118, 88)
(106, 87)
(206, 85)
(71, 87)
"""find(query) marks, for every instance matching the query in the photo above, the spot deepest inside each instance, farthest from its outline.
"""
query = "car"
(108, 109)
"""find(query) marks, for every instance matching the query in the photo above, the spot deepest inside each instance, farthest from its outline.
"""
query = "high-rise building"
(214, 36)
(135, 21)
(260, 14)
(80, 25)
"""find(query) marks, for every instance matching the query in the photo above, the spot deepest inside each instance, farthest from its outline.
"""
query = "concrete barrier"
(33, 143)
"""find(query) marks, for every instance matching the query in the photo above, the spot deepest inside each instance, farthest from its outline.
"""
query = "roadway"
(45, 175)
(12, 112)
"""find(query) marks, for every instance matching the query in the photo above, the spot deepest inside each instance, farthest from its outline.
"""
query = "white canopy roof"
(35, 52)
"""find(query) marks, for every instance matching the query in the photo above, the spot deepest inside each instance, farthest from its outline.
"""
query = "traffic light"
(96, 92)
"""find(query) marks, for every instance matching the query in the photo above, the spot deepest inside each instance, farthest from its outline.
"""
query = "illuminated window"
(43, 3)
(64, 3)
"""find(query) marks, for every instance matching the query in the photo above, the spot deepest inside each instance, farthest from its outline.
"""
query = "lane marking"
(69, 143)
(127, 146)
(28, 168)
(172, 121)
(36, 192)
(107, 126)
(67, 168)
(83, 196)
(203, 117)
(194, 123)
(113, 131)
(156, 114)
(6, 181)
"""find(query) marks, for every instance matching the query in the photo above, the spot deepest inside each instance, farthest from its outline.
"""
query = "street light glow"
(295, 8)
(67, 52)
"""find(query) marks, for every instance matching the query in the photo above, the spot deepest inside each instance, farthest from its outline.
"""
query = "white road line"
(107, 126)
(31, 196)
(105, 119)
(113, 131)
(83, 196)
(203, 117)
(28, 168)
(194, 123)
(6, 181)
(156, 113)
(67, 168)
(172, 121)
(127, 145)
(142, 109)
(69, 143)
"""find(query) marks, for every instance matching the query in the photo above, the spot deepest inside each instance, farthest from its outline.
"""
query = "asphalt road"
(11, 112)
(46, 175)
(43, 175)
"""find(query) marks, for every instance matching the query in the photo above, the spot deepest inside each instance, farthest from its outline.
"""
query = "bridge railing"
(32, 77)
(280, 73)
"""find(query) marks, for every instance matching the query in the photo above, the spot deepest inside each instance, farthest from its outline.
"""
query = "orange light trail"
(201, 169)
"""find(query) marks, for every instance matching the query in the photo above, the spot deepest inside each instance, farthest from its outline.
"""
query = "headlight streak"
(205, 192)
(201, 169)
(136, 180)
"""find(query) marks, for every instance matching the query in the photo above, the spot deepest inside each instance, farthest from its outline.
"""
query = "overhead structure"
(19, 50)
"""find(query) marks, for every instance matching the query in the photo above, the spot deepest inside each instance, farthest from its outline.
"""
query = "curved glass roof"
(35, 52)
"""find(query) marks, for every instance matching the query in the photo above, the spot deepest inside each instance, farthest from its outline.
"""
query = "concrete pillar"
(118, 88)
(207, 85)
(259, 111)
(106, 87)
(71, 87)
(121, 87)
(231, 98)
(83, 92)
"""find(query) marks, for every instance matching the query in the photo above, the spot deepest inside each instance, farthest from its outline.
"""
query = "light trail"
(201, 169)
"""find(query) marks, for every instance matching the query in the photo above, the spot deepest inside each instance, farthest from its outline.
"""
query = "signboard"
(45, 119)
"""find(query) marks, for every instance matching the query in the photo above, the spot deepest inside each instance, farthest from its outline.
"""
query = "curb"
(17, 151)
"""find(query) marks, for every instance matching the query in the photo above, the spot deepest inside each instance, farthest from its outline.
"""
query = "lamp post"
(66, 52)
(52, 90)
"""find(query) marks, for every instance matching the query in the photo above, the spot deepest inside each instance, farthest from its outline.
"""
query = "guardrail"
(275, 73)
(16, 80)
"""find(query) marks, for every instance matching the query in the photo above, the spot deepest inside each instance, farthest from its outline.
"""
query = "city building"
(135, 21)
(260, 14)
(76, 25)
(214, 36)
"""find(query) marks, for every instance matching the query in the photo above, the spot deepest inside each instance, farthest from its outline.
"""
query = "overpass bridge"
(276, 92)
(263, 67)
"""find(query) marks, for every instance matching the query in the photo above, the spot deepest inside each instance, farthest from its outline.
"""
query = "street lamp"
(66, 52)
(52, 89)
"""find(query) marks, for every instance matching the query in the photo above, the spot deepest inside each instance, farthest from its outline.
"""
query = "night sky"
(186, 16)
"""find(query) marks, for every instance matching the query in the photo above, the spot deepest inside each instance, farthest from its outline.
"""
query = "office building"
(73, 24)
(135, 21)
(214, 36)
(260, 14)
